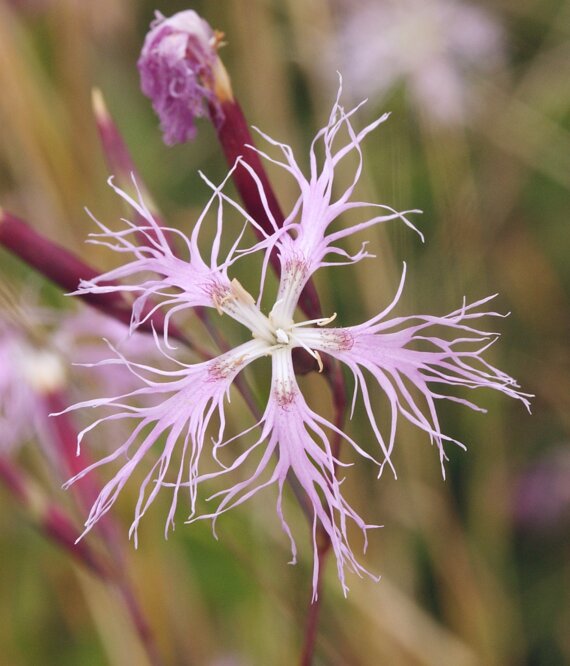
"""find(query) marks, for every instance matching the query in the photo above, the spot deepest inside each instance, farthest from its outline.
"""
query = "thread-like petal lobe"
(185, 402)
(411, 359)
(310, 243)
(297, 437)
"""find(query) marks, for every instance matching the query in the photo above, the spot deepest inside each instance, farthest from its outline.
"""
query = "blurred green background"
(475, 570)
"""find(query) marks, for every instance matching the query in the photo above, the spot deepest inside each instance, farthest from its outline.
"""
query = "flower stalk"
(236, 140)
(121, 164)
(49, 518)
(66, 270)
(65, 441)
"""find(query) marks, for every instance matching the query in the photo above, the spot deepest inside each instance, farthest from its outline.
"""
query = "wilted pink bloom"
(177, 72)
(293, 439)
(437, 49)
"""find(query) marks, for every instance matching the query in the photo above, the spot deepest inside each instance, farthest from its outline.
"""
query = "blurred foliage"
(466, 580)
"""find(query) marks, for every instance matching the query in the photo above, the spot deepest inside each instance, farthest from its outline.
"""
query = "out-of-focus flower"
(37, 348)
(541, 501)
(180, 70)
(28, 372)
(436, 48)
(83, 338)
(190, 397)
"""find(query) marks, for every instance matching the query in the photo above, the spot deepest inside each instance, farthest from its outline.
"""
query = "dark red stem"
(87, 491)
(115, 149)
(66, 270)
(338, 389)
(313, 612)
(64, 439)
(122, 166)
(49, 518)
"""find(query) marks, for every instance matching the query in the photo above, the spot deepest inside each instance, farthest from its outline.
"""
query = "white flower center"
(277, 331)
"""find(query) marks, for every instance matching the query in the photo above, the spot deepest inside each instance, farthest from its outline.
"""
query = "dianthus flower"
(28, 373)
(37, 348)
(410, 359)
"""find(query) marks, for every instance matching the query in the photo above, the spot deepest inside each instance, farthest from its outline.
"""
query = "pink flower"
(297, 437)
(28, 373)
(293, 439)
(541, 494)
(438, 49)
(185, 399)
(36, 354)
(177, 72)
(179, 283)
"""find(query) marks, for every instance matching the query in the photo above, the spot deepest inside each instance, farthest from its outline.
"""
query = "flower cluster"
(412, 360)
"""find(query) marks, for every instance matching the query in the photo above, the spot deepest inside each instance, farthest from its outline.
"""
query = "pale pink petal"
(311, 243)
(185, 402)
(408, 357)
(296, 436)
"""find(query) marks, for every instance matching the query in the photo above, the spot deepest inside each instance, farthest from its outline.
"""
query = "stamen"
(313, 352)
(319, 322)
(220, 301)
(242, 294)
(275, 305)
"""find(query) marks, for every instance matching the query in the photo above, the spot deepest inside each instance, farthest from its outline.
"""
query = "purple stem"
(313, 613)
(66, 270)
(234, 136)
(50, 519)
(121, 164)
(337, 386)
(87, 490)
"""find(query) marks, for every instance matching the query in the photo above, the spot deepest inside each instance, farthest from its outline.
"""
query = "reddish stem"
(87, 491)
(121, 164)
(115, 149)
(234, 137)
(64, 439)
(49, 518)
(66, 270)
(14, 480)
(58, 526)
(336, 383)
(313, 612)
